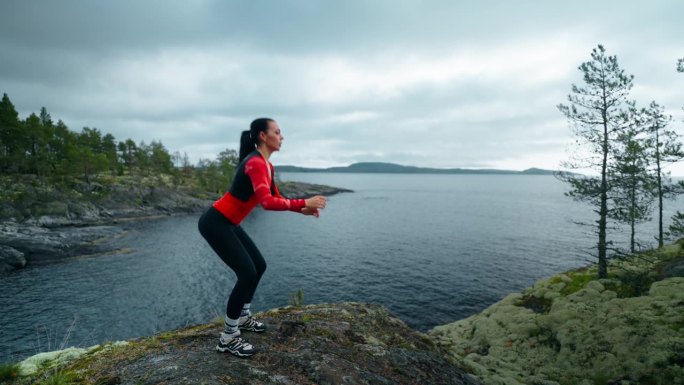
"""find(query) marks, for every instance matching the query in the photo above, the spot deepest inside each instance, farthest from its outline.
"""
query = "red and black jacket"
(253, 184)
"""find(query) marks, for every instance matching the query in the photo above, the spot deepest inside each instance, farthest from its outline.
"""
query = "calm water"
(432, 248)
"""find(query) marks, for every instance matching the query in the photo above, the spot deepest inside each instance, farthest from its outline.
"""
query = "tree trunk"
(603, 212)
(660, 211)
(660, 191)
(632, 248)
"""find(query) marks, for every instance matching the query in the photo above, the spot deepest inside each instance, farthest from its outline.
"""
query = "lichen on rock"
(627, 329)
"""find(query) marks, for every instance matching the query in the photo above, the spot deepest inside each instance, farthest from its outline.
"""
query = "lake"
(431, 248)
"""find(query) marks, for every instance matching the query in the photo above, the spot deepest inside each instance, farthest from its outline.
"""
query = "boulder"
(12, 257)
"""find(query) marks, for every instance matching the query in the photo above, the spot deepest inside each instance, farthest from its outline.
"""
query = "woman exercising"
(220, 225)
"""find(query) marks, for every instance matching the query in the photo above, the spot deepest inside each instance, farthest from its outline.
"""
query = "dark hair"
(250, 139)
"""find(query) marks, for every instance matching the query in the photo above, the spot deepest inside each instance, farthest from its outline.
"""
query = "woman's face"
(272, 137)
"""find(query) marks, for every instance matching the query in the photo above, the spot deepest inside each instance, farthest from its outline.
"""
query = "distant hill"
(392, 168)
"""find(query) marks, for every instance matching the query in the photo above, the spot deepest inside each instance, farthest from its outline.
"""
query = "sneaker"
(250, 324)
(235, 345)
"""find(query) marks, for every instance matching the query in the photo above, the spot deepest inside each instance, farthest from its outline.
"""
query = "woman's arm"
(257, 171)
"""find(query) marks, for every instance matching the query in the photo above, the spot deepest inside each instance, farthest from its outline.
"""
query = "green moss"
(166, 335)
(579, 280)
(668, 252)
(8, 372)
(555, 280)
(406, 345)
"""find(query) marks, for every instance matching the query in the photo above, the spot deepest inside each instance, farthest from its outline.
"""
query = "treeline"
(628, 147)
(37, 145)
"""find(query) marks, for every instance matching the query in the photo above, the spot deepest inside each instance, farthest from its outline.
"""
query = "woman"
(220, 225)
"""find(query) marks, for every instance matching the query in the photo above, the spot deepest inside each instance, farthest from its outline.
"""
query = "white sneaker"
(235, 345)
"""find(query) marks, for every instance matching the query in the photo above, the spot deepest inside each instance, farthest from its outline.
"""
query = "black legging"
(237, 250)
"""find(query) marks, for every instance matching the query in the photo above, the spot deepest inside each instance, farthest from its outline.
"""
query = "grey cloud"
(304, 25)
(193, 74)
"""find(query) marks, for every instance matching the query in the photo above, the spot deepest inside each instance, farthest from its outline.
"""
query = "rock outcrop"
(305, 190)
(574, 329)
(40, 245)
(11, 258)
(346, 343)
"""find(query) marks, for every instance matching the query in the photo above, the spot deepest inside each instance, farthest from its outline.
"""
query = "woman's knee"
(249, 276)
(261, 268)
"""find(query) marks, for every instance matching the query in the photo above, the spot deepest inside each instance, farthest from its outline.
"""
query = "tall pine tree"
(666, 148)
(595, 112)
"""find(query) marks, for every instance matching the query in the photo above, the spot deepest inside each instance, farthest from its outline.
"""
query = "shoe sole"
(252, 330)
(237, 354)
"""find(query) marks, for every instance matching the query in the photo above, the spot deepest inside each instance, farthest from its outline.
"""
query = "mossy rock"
(338, 343)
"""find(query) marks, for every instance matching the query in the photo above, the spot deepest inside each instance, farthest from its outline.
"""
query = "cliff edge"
(345, 343)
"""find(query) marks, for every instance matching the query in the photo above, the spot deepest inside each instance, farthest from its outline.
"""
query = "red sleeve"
(276, 191)
(257, 171)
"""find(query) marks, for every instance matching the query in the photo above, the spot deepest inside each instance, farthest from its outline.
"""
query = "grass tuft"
(59, 378)
(297, 299)
(8, 372)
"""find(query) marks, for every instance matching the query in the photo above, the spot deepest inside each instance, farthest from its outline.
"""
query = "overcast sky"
(427, 83)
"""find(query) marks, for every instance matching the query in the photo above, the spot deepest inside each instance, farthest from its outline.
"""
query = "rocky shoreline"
(66, 228)
(568, 329)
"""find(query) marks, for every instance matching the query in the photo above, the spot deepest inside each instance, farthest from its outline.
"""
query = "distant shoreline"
(392, 168)
(41, 231)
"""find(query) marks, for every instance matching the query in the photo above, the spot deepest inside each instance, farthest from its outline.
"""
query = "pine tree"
(160, 158)
(88, 158)
(595, 113)
(127, 153)
(109, 151)
(36, 145)
(632, 193)
(61, 143)
(10, 136)
(666, 148)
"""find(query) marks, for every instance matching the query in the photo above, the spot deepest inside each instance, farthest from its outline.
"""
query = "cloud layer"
(435, 84)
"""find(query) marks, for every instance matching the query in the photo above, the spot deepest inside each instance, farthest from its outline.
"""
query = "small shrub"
(635, 284)
(537, 305)
(297, 299)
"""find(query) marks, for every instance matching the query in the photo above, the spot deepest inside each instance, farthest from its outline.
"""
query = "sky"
(441, 84)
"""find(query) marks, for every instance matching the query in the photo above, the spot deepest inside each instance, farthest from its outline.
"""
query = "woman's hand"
(317, 202)
(310, 211)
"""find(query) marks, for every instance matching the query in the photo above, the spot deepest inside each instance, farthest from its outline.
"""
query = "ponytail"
(246, 145)
(250, 139)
